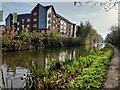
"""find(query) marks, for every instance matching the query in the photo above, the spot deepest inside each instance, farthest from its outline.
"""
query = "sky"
(97, 16)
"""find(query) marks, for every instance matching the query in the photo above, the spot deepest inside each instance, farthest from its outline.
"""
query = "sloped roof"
(36, 6)
(8, 16)
(47, 7)
(59, 16)
(23, 16)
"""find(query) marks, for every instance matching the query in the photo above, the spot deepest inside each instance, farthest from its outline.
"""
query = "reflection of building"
(72, 54)
(43, 19)
(13, 78)
(62, 56)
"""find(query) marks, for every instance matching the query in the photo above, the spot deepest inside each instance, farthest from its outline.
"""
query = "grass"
(85, 72)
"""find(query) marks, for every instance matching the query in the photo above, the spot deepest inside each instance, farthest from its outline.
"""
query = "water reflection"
(14, 64)
(22, 58)
(14, 78)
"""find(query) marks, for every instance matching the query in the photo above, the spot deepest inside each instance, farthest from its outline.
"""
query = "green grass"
(85, 72)
(92, 77)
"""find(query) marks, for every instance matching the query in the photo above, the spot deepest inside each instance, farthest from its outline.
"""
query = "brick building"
(43, 19)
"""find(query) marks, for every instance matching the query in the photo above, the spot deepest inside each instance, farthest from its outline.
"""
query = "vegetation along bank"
(85, 72)
(24, 40)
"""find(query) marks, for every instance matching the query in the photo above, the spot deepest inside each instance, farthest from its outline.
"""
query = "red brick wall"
(36, 9)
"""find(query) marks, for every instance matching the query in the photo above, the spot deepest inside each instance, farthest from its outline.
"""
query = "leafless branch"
(106, 5)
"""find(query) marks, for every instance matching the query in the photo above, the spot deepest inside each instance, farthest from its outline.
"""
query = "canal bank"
(112, 80)
(20, 59)
(85, 72)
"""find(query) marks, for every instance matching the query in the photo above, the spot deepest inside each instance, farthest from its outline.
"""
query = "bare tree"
(110, 4)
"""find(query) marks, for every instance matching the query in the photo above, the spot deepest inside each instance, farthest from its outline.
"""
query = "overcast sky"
(98, 17)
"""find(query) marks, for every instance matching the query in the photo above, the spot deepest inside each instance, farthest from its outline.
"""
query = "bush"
(83, 73)
(51, 42)
(27, 40)
(70, 41)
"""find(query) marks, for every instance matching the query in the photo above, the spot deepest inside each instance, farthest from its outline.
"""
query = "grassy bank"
(25, 41)
(84, 72)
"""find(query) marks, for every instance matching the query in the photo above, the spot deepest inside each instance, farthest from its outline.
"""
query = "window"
(23, 21)
(17, 28)
(18, 23)
(61, 22)
(65, 24)
(35, 19)
(53, 21)
(35, 13)
(28, 26)
(49, 15)
(49, 21)
(28, 20)
(34, 25)
(22, 26)
(58, 26)
(48, 26)
(53, 27)
(61, 26)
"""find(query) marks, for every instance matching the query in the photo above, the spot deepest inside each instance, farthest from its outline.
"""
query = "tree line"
(15, 40)
(113, 36)
(88, 34)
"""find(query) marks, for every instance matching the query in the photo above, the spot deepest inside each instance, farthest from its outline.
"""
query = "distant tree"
(80, 29)
(113, 36)
(86, 33)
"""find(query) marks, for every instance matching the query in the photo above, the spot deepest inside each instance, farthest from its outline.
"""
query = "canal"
(15, 64)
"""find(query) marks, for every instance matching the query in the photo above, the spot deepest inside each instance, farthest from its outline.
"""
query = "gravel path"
(112, 76)
(0, 80)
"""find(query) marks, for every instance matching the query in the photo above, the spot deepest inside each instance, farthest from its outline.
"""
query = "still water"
(15, 64)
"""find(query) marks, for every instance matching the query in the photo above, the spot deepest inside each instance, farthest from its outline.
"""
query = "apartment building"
(43, 19)
(65, 27)
(23, 20)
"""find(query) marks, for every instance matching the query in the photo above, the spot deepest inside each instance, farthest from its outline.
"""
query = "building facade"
(43, 19)
(23, 20)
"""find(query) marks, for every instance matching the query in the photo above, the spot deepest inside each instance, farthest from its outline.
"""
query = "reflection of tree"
(108, 5)
(41, 57)
(14, 59)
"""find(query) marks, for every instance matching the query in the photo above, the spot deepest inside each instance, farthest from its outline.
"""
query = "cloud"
(101, 20)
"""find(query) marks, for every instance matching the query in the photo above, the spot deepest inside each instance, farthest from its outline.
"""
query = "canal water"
(15, 64)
